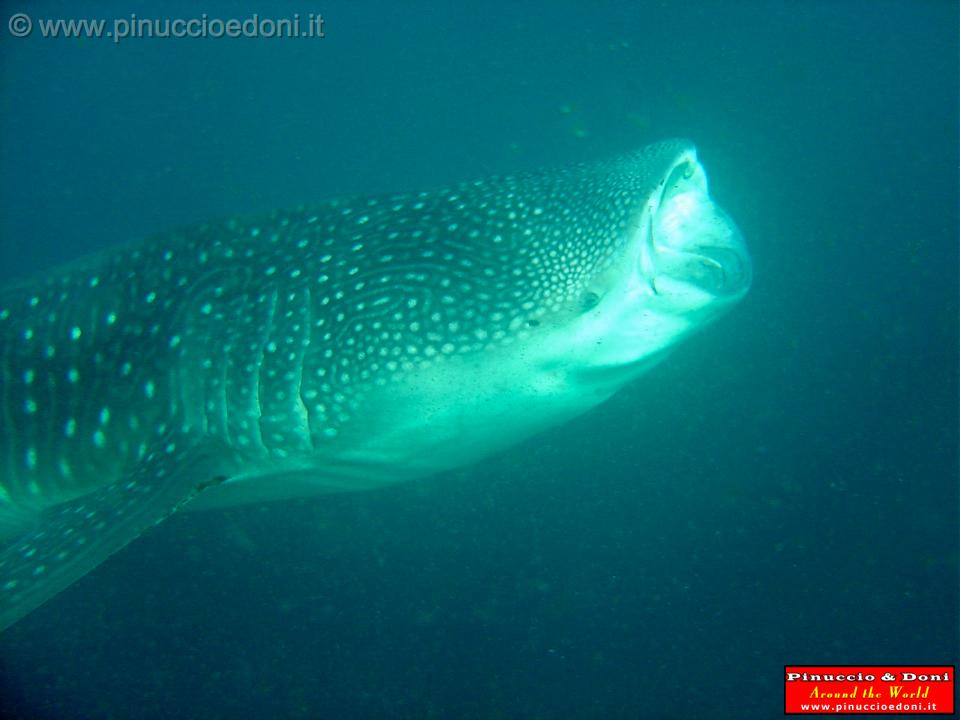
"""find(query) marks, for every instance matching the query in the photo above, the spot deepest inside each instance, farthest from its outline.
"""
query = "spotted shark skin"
(340, 346)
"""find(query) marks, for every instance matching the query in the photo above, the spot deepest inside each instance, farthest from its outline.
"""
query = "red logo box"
(869, 689)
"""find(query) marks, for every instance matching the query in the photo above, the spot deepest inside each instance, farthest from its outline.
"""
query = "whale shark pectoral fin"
(71, 539)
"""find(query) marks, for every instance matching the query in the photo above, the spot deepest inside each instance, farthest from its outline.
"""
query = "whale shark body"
(340, 346)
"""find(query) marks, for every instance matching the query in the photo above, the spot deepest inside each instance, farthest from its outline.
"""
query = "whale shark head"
(545, 293)
(651, 258)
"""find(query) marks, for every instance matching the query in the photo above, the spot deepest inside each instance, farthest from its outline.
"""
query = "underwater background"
(783, 490)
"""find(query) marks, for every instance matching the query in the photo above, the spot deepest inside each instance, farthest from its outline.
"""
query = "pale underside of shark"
(340, 346)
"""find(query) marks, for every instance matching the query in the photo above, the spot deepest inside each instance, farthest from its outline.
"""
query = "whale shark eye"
(589, 301)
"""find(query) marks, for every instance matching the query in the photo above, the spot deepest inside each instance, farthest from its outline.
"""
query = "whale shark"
(339, 346)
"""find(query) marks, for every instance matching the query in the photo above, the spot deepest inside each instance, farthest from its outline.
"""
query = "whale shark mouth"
(690, 240)
(719, 270)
